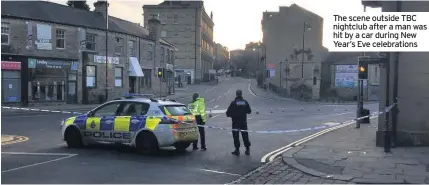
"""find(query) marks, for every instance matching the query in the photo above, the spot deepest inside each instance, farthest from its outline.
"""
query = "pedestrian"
(198, 109)
(237, 111)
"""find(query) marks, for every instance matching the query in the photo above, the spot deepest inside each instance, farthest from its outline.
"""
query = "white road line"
(37, 164)
(55, 111)
(16, 117)
(219, 97)
(272, 155)
(6, 107)
(216, 106)
(225, 93)
(45, 110)
(219, 172)
(212, 100)
(251, 92)
(46, 154)
(229, 90)
(215, 116)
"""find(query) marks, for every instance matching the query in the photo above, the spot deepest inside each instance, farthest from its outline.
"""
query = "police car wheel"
(147, 144)
(73, 138)
(181, 146)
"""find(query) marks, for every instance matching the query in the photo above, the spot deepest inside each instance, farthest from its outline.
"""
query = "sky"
(237, 22)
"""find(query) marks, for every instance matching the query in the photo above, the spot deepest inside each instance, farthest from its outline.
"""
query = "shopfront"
(11, 81)
(52, 80)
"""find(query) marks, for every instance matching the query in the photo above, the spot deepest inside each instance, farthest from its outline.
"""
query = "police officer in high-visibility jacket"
(198, 108)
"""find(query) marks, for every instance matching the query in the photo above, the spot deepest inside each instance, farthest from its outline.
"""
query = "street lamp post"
(281, 62)
(107, 42)
(306, 26)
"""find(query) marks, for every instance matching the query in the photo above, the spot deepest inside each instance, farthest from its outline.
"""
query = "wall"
(413, 88)
(282, 32)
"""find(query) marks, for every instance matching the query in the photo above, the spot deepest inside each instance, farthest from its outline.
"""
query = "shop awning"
(135, 69)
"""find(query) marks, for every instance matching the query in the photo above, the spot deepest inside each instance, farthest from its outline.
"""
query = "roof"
(61, 14)
(177, 4)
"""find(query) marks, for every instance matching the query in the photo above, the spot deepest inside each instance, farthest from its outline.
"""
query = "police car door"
(131, 119)
(100, 122)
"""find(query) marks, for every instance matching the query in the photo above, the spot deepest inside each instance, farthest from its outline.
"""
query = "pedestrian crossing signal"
(363, 71)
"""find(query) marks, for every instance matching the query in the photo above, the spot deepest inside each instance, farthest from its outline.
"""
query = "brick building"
(61, 53)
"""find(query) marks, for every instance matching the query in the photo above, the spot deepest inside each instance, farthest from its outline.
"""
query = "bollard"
(210, 114)
(257, 112)
(271, 110)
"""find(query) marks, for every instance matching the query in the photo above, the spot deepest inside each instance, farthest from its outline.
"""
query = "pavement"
(346, 155)
(44, 158)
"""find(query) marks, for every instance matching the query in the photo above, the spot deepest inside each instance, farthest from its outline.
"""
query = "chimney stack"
(101, 7)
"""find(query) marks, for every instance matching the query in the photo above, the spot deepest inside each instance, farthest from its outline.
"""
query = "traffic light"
(363, 71)
(160, 72)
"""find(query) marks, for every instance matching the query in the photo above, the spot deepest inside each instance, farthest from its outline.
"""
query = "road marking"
(225, 93)
(217, 111)
(219, 172)
(250, 90)
(229, 90)
(219, 97)
(37, 164)
(46, 154)
(216, 106)
(215, 116)
(10, 139)
(330, 124)
(272, 155)
(15, 117)
(212, 100)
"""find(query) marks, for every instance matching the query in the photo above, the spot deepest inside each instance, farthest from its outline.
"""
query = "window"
(149, 55)
(168, 56)
(61, 38)
(119, 45)
(118, 76)
(107, 110)
(176, 19)
(162, 54)
(5, 33)
(131, 109)
(91, 76)
(176, 110)
(175, 34)
(90, 41)
(147, 79)
(132, 48)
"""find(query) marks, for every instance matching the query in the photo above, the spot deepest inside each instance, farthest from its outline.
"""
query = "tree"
(78, 4)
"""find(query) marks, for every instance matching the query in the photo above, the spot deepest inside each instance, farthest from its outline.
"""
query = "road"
(44, 158)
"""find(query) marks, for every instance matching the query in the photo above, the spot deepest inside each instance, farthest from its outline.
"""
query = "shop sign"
(52, 64)
(102, 59)
(6, 65)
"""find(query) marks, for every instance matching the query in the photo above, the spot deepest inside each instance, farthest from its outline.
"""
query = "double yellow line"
(9, 139)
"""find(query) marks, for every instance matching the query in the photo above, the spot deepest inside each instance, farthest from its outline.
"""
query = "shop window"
(91, 41)
(91, 76)
(5, 33)
(118, 77)
(48, 90)
(147, 79)
(119, 45)
(61, 39)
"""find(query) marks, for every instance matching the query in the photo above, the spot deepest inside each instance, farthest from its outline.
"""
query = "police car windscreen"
(176, 110)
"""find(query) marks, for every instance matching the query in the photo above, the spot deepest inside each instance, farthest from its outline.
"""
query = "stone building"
(187, 25)
(61, 54)
(411, 123)
(292, 47)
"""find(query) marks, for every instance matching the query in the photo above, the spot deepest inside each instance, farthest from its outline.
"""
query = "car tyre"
(73, 138)
(181, 147)
(147, 144)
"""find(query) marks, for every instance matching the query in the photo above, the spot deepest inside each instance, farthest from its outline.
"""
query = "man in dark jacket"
(237, 111)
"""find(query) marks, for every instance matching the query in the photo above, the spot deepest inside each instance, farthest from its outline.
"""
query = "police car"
(144, 123)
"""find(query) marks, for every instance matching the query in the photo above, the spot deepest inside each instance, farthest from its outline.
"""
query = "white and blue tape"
(387, 109)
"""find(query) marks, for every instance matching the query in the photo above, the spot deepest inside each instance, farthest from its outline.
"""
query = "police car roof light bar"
(139, 95)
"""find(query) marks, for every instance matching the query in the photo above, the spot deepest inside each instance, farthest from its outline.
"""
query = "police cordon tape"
(387, 109)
